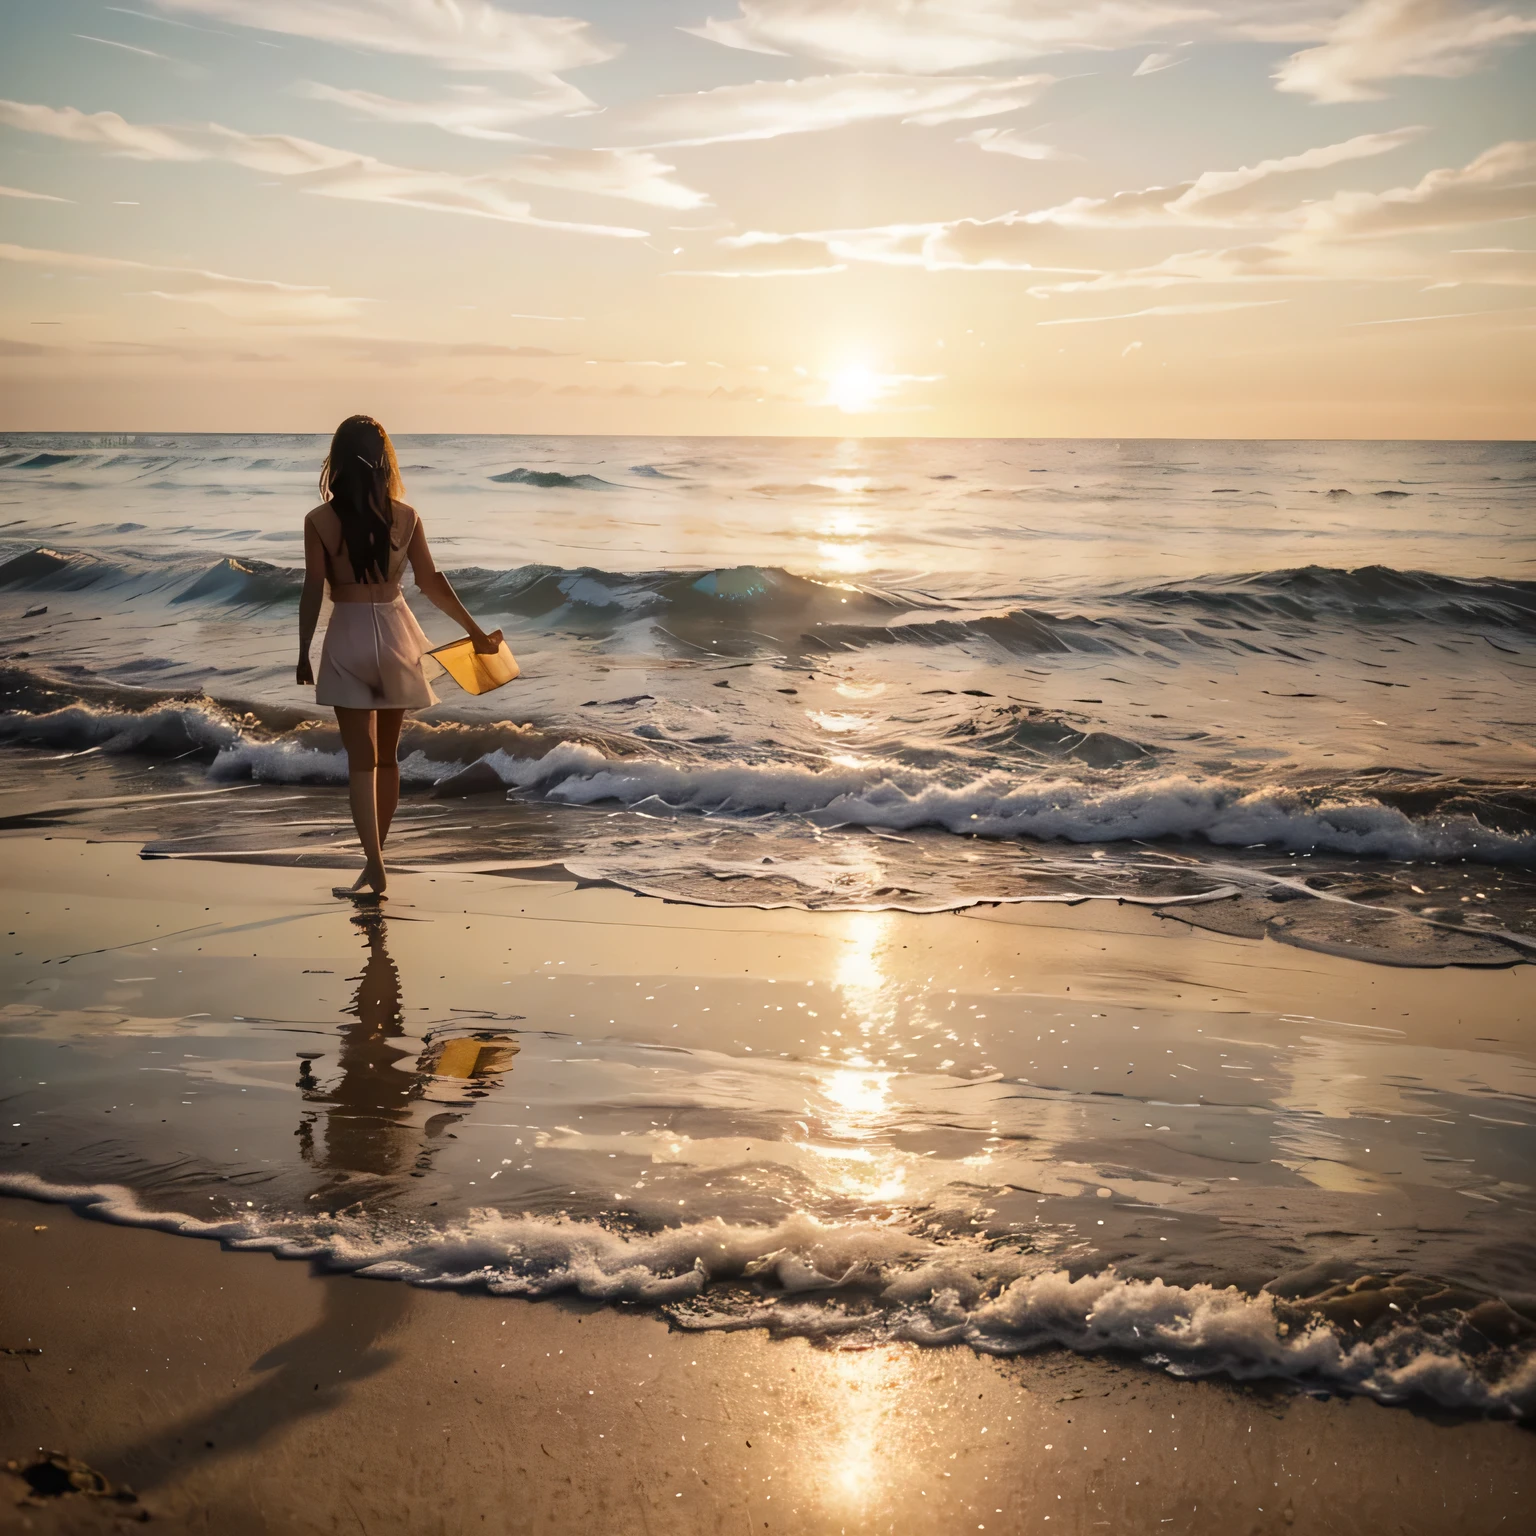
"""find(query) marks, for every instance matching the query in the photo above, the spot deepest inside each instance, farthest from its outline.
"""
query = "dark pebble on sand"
(53, 1474)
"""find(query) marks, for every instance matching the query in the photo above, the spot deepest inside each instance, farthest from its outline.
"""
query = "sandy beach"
(233, 1392)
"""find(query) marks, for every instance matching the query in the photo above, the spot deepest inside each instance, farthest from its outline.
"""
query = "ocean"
(1275, 690)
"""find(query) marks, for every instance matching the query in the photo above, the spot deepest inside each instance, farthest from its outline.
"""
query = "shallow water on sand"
(844, 1125)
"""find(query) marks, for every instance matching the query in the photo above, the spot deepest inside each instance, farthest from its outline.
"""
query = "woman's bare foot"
(371, 882)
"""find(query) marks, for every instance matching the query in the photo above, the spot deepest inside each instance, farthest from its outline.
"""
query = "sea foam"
(1040, 805)
(802, 1277)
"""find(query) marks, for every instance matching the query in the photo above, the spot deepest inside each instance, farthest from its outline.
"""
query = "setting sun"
(855, 389)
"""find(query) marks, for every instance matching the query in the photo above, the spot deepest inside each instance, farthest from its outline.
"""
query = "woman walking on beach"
(357, 541)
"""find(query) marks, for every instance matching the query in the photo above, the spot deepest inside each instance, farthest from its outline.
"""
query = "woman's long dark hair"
(360, 478)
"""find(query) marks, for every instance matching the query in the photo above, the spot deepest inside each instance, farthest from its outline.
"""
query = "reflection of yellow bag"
(473, 672)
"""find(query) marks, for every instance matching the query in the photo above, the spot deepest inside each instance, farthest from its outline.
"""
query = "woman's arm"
(438, 591)
(309, 600)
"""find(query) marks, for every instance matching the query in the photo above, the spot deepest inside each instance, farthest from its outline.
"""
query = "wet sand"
(238, 1393)
(241, 1394)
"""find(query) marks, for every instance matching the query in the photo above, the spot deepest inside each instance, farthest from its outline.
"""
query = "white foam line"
(995, 1301)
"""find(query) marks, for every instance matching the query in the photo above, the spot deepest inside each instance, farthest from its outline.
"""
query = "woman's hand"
(487, 644)
(304, 674)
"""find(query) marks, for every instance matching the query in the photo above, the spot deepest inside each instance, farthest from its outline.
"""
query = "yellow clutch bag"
(473, 672)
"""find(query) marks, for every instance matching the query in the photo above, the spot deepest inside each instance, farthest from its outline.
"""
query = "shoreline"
(256, 1397)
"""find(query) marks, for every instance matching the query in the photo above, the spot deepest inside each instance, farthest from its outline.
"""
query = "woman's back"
(338, 563)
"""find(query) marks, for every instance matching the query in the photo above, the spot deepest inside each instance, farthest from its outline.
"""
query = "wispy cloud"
(1011, 243)
(124, 10)
(199, 351)
(471, 111)
(1380, 40)
(403, 352)
(254, 300)
(1156, 63)
(934, 36)
(325, 171)
(1346, 236)
(1500, 184)
(1349, 236)
(722, 394)
(103, 130)
(259, 303)
(768, 109)
(959, 244)
(487, 384)
(1169, 311)
(1303, 259)
(1222, 198)
(732, 34)
(1289, 259)
(634, 174)
(1215, 191)
(1358, 43)
(40, 197)
(1462, 314)
(182, 67)
(456, 34)
(773, 256)
(883, 245)
(1034, 242)
(107, 42)
(1006, 141)
(1497, 264)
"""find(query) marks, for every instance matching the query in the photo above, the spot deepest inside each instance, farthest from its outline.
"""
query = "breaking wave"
(242, 583)
(35, 460)
(553, 480)
(50, 570)
(587, 769)
(1399, 1338)
(232, 582)
(269, 745)
(1372, 594)
(768, 602)
(768, 599)
(734, 608)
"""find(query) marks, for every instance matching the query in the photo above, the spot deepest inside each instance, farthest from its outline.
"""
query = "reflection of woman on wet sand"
(357, 541)
(368, 1123)
(373, 1126)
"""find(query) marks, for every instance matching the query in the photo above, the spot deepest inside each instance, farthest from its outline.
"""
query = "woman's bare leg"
(386, 789)
(357, 736)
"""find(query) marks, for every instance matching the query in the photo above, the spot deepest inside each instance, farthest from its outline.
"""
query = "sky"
(959, 218)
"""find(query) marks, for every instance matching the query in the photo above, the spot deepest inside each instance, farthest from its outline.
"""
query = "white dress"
(372, 654)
